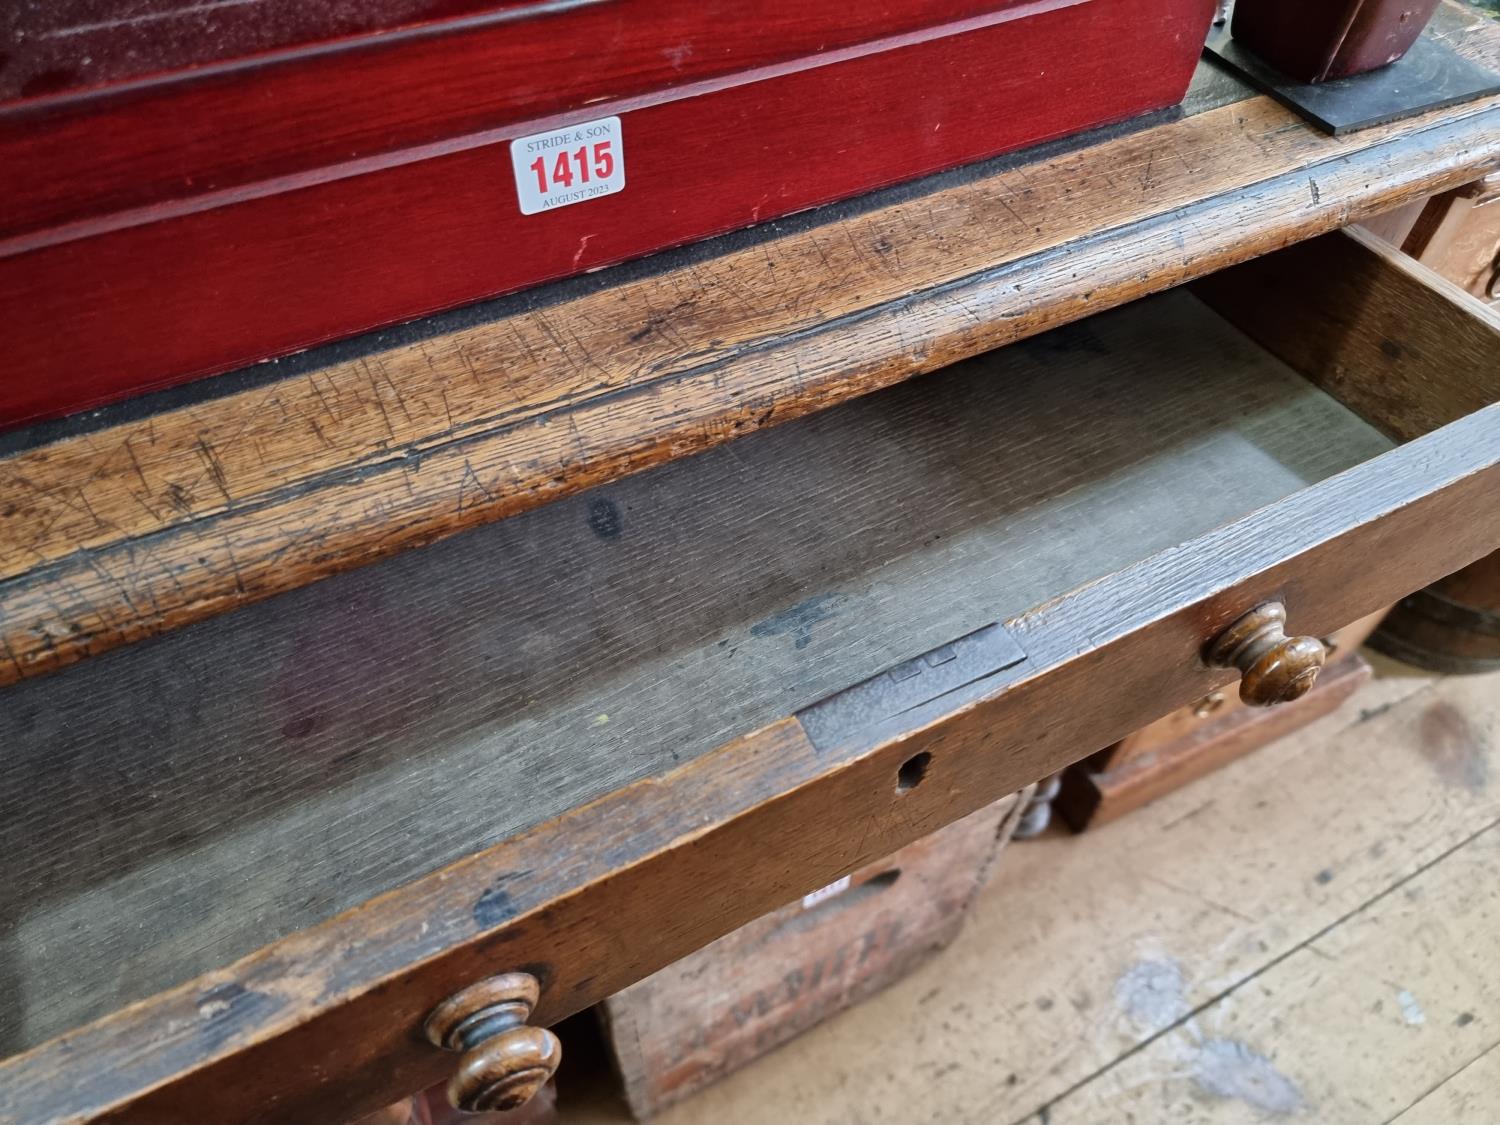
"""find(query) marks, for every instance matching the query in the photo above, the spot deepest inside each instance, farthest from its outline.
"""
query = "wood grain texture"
(1394, 226)
(259, 773)
(1401, 346)
(608, 892)
(135, 529)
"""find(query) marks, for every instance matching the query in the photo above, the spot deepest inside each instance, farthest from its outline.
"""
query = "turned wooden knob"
(505, 1061)
(1274, 668)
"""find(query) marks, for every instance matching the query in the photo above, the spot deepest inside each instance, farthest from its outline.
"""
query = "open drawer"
(243, 862)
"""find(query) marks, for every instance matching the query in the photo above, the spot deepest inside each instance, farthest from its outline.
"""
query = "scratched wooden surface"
(1307, 935)
(143, 524)
(261, 772)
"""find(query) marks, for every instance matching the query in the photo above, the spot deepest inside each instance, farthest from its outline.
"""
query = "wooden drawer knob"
(505, 1061)
(1274, 668)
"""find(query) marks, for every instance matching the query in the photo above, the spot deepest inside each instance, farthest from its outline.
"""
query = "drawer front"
(330, 1019)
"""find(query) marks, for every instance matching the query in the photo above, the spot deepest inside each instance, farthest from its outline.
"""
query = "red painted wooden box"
(189, 188)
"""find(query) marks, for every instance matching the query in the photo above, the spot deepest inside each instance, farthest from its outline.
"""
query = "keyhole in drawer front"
(912, 771)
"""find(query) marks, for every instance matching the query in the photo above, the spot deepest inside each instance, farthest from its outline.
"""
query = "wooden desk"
(582, 742)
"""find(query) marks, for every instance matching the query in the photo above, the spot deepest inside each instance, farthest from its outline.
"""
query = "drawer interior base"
(175, 805)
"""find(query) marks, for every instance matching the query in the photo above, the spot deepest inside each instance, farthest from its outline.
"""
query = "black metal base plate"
(1431, 76)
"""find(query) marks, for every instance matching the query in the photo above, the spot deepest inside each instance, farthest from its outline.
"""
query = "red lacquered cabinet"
(293, 173)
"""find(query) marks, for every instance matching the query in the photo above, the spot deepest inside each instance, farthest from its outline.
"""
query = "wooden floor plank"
(1347, 1029)
(1473, 1094)
(1083, 949)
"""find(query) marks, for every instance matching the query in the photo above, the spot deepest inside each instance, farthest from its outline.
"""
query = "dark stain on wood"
(1458, 753)
(605, 518)
(493, 907)
(798, 621)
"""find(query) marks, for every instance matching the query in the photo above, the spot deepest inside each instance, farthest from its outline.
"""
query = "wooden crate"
(714, 1011)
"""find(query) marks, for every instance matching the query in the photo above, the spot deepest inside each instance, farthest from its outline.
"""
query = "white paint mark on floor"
(1411, 1011)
